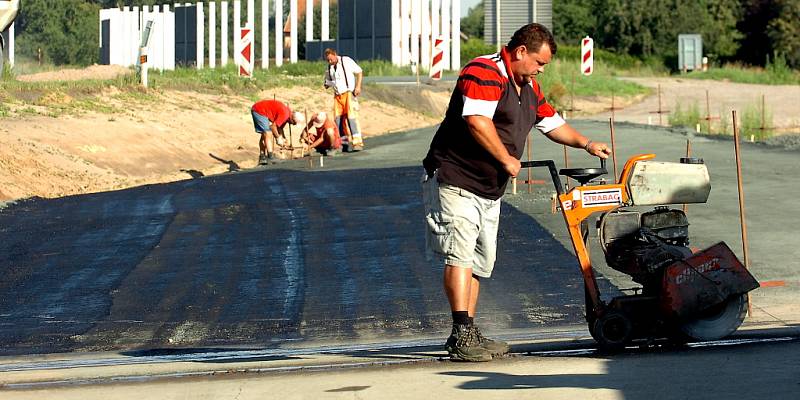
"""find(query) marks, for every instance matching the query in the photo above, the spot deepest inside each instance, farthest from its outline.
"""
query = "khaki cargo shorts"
(461, 227)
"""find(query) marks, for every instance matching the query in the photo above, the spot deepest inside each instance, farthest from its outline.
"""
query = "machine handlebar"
(551, 166)
(582, 175)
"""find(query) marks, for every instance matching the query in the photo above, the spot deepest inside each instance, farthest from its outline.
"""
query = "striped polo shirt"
(484, 88)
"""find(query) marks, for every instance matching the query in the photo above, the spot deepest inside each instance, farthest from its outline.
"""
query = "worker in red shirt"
(324, 138)
(272, 116)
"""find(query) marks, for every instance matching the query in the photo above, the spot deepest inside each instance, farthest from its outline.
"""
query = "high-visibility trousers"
(345, 111)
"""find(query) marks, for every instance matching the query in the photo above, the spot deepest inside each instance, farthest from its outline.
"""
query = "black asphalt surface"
(298, 255)
(285, 255)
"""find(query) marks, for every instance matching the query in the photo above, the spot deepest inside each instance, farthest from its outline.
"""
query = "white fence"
(125, 31)
(415, 24)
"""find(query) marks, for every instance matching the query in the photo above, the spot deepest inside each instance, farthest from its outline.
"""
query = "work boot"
(273, 159)
(463, 345)
(496, 347)
(262, 159)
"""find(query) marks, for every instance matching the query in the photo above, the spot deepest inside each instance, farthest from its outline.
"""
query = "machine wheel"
(717, 322)
(612, 331)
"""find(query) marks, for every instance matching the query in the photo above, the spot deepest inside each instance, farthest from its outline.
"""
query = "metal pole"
(497, 22)
(613, 146)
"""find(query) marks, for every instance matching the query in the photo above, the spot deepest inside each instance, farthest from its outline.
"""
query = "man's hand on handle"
(598, 149)
(511, 165)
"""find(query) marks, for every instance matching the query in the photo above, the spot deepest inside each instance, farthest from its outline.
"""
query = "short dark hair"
(330, 51)
(532, 36)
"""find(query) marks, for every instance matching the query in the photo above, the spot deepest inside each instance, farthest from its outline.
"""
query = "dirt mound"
(97, 72)
(162, 137)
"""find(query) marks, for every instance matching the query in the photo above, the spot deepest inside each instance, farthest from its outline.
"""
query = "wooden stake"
(742, 220)
(659, 106)
(763, 117)
(566, 164)
(688, 154)
(741, 191)
(708, 116)
(530, 182)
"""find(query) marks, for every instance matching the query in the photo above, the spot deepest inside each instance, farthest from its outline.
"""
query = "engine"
(643, 244)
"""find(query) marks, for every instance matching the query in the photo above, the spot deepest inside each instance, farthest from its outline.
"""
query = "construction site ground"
(201, 275)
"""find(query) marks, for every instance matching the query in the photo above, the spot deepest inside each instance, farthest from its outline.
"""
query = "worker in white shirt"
(344, 76)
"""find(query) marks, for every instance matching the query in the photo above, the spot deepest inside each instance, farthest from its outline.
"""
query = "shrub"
(473, 48)
(688, 118)
(753, 124)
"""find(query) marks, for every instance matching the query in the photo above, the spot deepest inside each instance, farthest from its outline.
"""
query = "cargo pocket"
(439, 233)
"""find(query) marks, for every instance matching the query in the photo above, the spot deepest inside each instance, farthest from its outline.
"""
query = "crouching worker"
(272, 116)
(324, 138)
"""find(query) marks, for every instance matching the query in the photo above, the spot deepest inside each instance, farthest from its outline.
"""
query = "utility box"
(690, 52)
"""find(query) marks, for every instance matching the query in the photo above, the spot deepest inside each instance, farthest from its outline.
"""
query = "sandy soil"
(101, 72)
(181, 135)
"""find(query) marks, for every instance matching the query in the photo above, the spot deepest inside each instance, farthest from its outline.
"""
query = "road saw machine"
(685, 295)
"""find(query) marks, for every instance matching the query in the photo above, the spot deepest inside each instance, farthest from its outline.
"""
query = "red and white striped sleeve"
(481, 86)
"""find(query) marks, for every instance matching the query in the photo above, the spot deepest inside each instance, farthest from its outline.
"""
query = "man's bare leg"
(457, 285)
(264, 146)
(462, 293)
(474, 290)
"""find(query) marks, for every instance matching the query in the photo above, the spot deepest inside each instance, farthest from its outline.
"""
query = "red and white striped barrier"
(244, 57)
(587, 56)
(436, 62)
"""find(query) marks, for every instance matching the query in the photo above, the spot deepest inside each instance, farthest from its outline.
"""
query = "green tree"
(650, 28)
(784, 31)
(755, 45)
(472, 24)
(66, 31)
(720, 36)
(572, 20)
